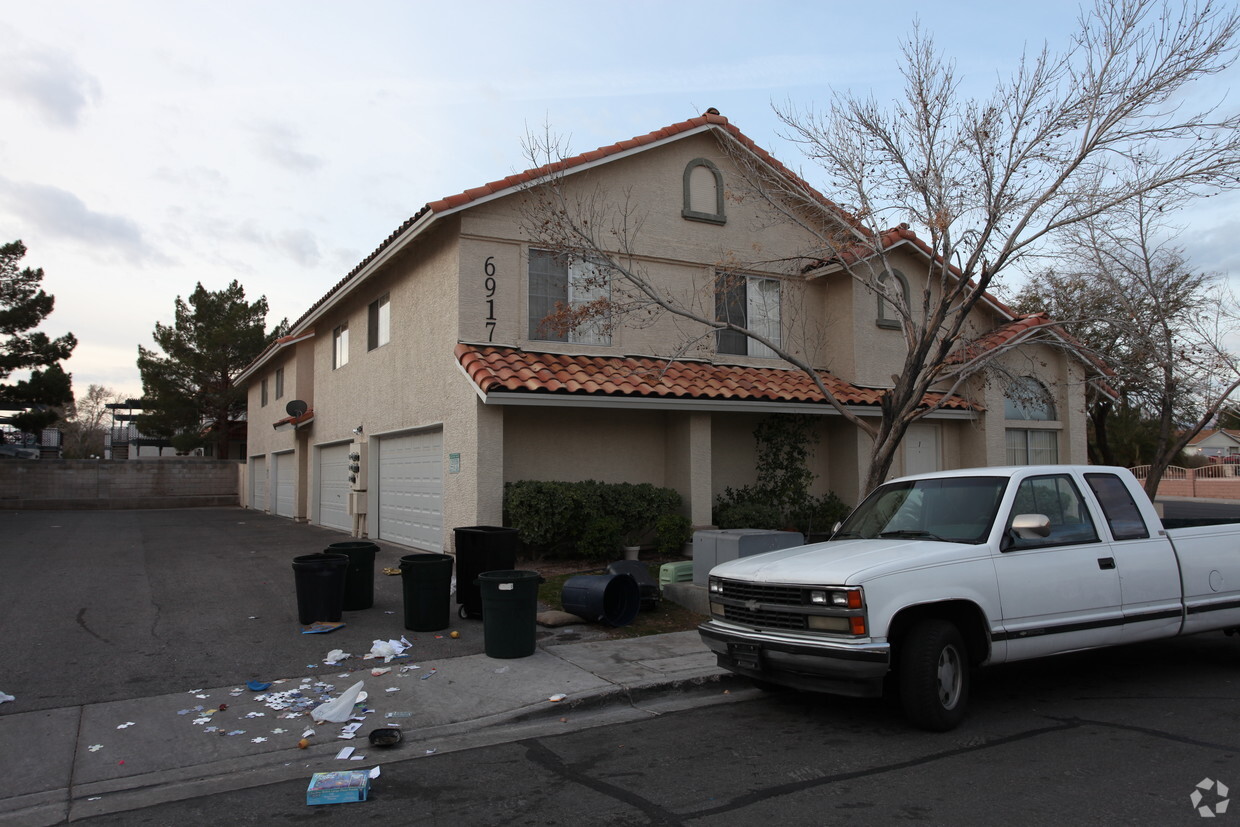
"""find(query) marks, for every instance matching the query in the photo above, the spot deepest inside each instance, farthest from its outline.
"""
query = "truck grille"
(781, 595)
(764, 618)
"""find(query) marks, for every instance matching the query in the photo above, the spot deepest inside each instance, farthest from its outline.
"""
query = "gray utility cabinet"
(715, 546)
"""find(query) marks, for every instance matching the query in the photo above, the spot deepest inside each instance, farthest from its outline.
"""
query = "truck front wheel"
(934, 675)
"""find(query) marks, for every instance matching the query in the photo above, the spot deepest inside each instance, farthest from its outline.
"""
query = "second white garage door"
(285, 484)
(334, 487)
(410, 501)
(258, 483)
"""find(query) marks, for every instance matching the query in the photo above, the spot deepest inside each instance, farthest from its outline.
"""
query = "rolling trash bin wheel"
(509, 609)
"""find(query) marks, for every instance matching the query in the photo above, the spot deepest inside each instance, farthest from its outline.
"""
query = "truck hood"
(845, 562)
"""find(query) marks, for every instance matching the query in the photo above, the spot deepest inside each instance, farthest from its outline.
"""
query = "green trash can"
(509, 609)
(359, 578)
(426, 580)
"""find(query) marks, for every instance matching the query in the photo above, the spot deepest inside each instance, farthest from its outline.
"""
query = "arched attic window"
(888, 315)
(703, 192)
(1028, 400)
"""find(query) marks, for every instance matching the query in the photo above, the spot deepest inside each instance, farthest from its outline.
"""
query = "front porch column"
(689, 463)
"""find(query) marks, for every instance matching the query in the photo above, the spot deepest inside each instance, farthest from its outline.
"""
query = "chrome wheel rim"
(951, 677)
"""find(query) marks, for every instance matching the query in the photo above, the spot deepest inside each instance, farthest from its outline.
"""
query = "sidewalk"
(70, 763)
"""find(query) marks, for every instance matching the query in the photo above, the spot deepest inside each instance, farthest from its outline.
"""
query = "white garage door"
(258, 483)
(284, 484)
(411, 490)
(334, 487)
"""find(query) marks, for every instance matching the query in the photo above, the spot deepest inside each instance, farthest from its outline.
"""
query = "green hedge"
(591, 519)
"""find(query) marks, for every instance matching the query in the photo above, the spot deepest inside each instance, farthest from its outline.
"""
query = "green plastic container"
(509, 609)
(426, 580)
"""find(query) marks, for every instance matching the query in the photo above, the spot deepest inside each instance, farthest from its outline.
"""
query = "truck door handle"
(1105, 563)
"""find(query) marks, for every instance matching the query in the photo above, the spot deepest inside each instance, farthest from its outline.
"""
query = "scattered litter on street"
(335, 656)
(380, 670)
(5, 698)
(556, 698)
(344, 753)
(320, 627)
(125, 725)
(95, 747)
(338, 787)
(398, 715)
(257, 686)
(429, 674)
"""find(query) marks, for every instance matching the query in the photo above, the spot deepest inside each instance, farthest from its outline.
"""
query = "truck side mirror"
(1031, 526)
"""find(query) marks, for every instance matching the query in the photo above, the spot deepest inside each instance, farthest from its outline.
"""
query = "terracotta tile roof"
(510, 369)
(1001, 335)
(711, 118)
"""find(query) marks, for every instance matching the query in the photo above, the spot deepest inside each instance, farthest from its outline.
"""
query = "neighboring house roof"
(1226, 434)
(506, 369)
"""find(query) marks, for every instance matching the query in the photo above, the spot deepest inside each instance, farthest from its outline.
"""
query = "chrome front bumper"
(798, 661)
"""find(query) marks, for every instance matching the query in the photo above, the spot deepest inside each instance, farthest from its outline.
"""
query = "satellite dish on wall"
(296, 408)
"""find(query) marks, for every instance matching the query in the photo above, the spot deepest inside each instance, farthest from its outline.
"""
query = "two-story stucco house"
(430, 363)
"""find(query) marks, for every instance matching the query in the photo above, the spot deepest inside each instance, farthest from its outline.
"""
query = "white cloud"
(278, 143)
(47, 79)
(59, 213)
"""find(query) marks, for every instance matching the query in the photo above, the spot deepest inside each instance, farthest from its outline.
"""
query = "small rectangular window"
(379, 323)
(279, 383)
(748, 302)
(340, 346)
(1118, 506)
(262, 392)
(574, 293)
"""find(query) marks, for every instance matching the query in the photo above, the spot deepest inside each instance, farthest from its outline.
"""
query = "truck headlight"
(715, 585)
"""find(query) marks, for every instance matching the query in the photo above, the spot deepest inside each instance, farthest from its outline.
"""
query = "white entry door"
(258, 483)
(285, 483)
(410, 496)
(333, 480)
(921, 448)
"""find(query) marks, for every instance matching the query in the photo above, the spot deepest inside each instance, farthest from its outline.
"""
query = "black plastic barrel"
(320, 587)
(481, 548)
(426, 580)
(359, 579)
(509, 609)
(613, 599)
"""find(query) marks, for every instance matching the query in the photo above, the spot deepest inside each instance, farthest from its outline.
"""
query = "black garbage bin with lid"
(359, 580)
(320, 587)
(481, 548)
(509, 612)
(426, 580)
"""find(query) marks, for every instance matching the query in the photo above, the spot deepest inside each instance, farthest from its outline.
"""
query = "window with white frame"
(279, 383)
(568, 300)
(749, 302)
(1028, 400)
(379, 323)
(340, 346)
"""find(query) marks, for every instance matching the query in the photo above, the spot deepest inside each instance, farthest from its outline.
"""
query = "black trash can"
(481, 548)
(426, 580)
(320, 587)
(359, 581)
(613, 599)
(509, 609)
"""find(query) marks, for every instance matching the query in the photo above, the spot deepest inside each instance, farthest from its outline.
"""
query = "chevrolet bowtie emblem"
(752, 605)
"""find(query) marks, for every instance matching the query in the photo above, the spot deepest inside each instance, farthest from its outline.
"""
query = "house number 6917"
(488, 269)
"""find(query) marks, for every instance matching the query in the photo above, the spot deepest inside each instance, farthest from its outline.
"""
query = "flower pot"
(631, 552)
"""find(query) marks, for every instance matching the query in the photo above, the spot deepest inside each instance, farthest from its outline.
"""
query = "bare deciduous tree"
(1070, 136)
(1163, 327)
(84, 425)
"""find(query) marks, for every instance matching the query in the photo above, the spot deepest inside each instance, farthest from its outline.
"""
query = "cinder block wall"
(107, 484)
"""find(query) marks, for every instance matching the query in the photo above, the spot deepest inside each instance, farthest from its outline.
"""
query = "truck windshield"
(951, 509)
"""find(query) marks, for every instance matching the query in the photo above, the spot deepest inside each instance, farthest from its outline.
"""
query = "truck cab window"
(1120, 509)
(1057, 498)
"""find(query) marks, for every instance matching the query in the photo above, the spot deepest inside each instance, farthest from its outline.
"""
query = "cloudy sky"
(149, 146)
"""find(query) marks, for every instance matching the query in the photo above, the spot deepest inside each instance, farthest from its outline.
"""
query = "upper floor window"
(340, 346)
(262, 393)
(891, 285)
(568, 300)
(749, 302)
(703, 192)
(378, 323)
(279, 383)
(1027, 398)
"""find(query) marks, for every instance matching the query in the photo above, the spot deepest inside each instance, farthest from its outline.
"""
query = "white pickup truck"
(936, 574)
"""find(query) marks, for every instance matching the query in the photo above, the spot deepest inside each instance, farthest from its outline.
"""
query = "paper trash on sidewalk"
(388, 649)
(5, 698)
(338, 787)
(339, 710)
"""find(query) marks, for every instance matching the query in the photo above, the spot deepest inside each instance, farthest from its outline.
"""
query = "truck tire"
(934, 675)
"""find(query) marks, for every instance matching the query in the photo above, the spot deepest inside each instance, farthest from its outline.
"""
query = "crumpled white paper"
(335, 656)
(388, 649)
(340, 709)
(5, 698)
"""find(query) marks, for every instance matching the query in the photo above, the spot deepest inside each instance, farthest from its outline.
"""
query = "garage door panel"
(285, 484)
(411, 490)
(333, 484)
